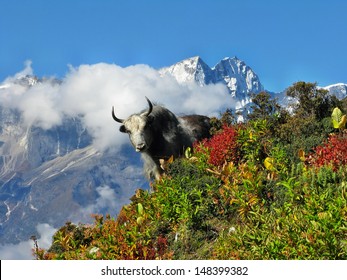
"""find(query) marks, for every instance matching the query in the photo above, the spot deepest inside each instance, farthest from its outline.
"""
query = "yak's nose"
(140, 147)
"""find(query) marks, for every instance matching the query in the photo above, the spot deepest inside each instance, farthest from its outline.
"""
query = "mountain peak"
(233, 72)
(240, 79)
(192, 69)
(194, 58)
(234, 58)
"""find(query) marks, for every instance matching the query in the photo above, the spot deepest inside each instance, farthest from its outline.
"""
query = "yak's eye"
(123, 129)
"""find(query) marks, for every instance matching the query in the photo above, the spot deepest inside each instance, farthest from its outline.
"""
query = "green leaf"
(269, 163)
(338, 120)
(139, 220)
(301, 155)
(188, 152)
(139, 209)
(343, 121)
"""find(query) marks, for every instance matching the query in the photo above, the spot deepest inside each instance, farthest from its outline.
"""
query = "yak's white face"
(139, 129)
(138, 126)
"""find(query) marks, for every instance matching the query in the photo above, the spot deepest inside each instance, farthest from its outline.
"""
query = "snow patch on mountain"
(239, 78)
(190, 70)
(339, 90)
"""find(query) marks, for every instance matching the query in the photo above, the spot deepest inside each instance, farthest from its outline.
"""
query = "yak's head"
(138, 126)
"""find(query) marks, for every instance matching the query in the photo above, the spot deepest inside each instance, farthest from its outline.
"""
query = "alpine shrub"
(332, 152)
(222, 147)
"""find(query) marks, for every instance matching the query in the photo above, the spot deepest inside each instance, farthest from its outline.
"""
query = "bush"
(309, 223)
(255, 141)
(222, 147)
(332, 152)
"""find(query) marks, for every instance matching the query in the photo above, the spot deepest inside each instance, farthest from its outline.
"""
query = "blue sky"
(283, 41)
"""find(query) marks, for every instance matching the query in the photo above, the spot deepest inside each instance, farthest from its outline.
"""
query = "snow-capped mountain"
(339, 90)
(190, 70)
(239, 78)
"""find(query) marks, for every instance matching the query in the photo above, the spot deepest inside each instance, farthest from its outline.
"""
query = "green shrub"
(310, 222)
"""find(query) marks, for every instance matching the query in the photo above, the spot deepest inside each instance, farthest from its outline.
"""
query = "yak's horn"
(115, 118)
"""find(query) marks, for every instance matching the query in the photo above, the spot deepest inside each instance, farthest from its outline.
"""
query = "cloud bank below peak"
(89, 92)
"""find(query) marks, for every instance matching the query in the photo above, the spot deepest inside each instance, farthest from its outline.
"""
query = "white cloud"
(23, 250)
(90, 91)
(107, 200)
(38, 106)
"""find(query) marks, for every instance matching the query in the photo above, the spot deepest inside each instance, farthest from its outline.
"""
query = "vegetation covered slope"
(274, 187)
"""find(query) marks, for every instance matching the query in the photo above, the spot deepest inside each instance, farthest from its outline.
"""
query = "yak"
(159, 134)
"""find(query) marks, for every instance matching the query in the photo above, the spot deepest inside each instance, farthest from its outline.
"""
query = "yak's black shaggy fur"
(159, 134)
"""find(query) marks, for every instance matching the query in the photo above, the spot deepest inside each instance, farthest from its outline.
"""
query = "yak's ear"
(122, 129)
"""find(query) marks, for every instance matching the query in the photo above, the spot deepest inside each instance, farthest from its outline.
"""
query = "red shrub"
(333, 151)
(222, 146)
